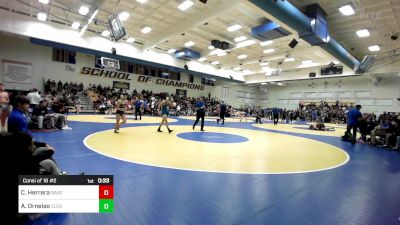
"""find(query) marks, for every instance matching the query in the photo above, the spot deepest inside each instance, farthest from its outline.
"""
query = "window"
(191, 78)
(64, 56)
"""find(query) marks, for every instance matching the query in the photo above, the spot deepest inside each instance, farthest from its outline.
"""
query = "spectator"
(41, 114)
(34, 98)
(17, 120)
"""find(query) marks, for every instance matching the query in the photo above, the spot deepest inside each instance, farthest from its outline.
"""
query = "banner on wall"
(120, 85)
(17, 72)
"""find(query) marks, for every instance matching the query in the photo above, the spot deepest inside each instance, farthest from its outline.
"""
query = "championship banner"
(17, 72)
(120, 85)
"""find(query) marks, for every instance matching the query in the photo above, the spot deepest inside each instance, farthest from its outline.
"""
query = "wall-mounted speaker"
(313, 74)
(293, 43)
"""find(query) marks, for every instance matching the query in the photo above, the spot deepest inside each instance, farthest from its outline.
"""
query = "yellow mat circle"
(111, 119)
(263, 153)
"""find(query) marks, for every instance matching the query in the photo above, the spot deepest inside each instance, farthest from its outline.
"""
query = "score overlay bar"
(66, 194)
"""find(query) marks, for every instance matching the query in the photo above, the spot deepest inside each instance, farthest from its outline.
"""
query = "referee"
(200, 113)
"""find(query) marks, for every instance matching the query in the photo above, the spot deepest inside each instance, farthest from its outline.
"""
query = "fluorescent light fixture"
(185, 5)
(363, 33)
(211, 47)
(146, 30)
(172, 50)
(280, 84)
(347, 10)
(264, 63)
(263, 83)
(374, 48)
(336, 62)
(141, 1)
(306, 62)
(181, 54)
(234, 28)
(123, 16)
(236, 68)
(42, 16)
(265, 43)
(242, 56)
(202, 59)
(265, 68)
(289, 59)
(130, 40)
(239, 39)
(221, 53)
(267, 51)
(215, 63)
(312, 22)
(83, 10)
(308, 65)
(189, 44)
(44, 1)
(75, 25)
(245, 43)
(105, 33)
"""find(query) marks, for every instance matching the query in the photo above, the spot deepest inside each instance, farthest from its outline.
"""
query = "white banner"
(17, 72)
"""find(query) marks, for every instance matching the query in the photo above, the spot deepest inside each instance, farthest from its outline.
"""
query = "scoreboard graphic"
(66, 194)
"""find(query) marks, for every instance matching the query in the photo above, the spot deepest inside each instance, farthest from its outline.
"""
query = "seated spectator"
(380, 130)
(41, 114)
(393, 135)
(17, 121)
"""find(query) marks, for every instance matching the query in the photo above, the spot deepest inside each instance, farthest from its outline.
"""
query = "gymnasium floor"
(237, 173)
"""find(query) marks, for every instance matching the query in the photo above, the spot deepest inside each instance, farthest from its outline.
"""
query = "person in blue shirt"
(200, 113)
(17, 121)
(353, 117)
(138, 104)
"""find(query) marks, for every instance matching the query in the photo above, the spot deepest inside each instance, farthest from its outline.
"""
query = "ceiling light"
(202, 59)
(347, 10)
(141, 1)
(44, 1)
(221, 53)
(42, 16)
(215, 63)
(123, 16)
(211, 47)
(105, 33)
(306, 62)
(189, 44)
(336, 62)
(265, 43)
(308, 65)
(234, 28)
(236, 68)
(263, 83)
(245, 43)
(130, 40)
(363, 33)
(242, 56)
(289, 59)
(171, 50)
(374, 48)
(83, 10)
(75, 25)
(265, 68)
(267, 51)
(185, 5)
(264, 63)
(280, 84)
(146, 30)
(239, 39)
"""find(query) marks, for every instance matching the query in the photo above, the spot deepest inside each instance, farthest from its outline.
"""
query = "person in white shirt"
(34, 98)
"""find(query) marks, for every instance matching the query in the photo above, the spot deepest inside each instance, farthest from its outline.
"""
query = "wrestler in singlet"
(121, 107)
(164, 111)
(4, 107)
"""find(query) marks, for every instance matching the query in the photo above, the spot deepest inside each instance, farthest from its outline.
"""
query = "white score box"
(58, 192)
(58, 206)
